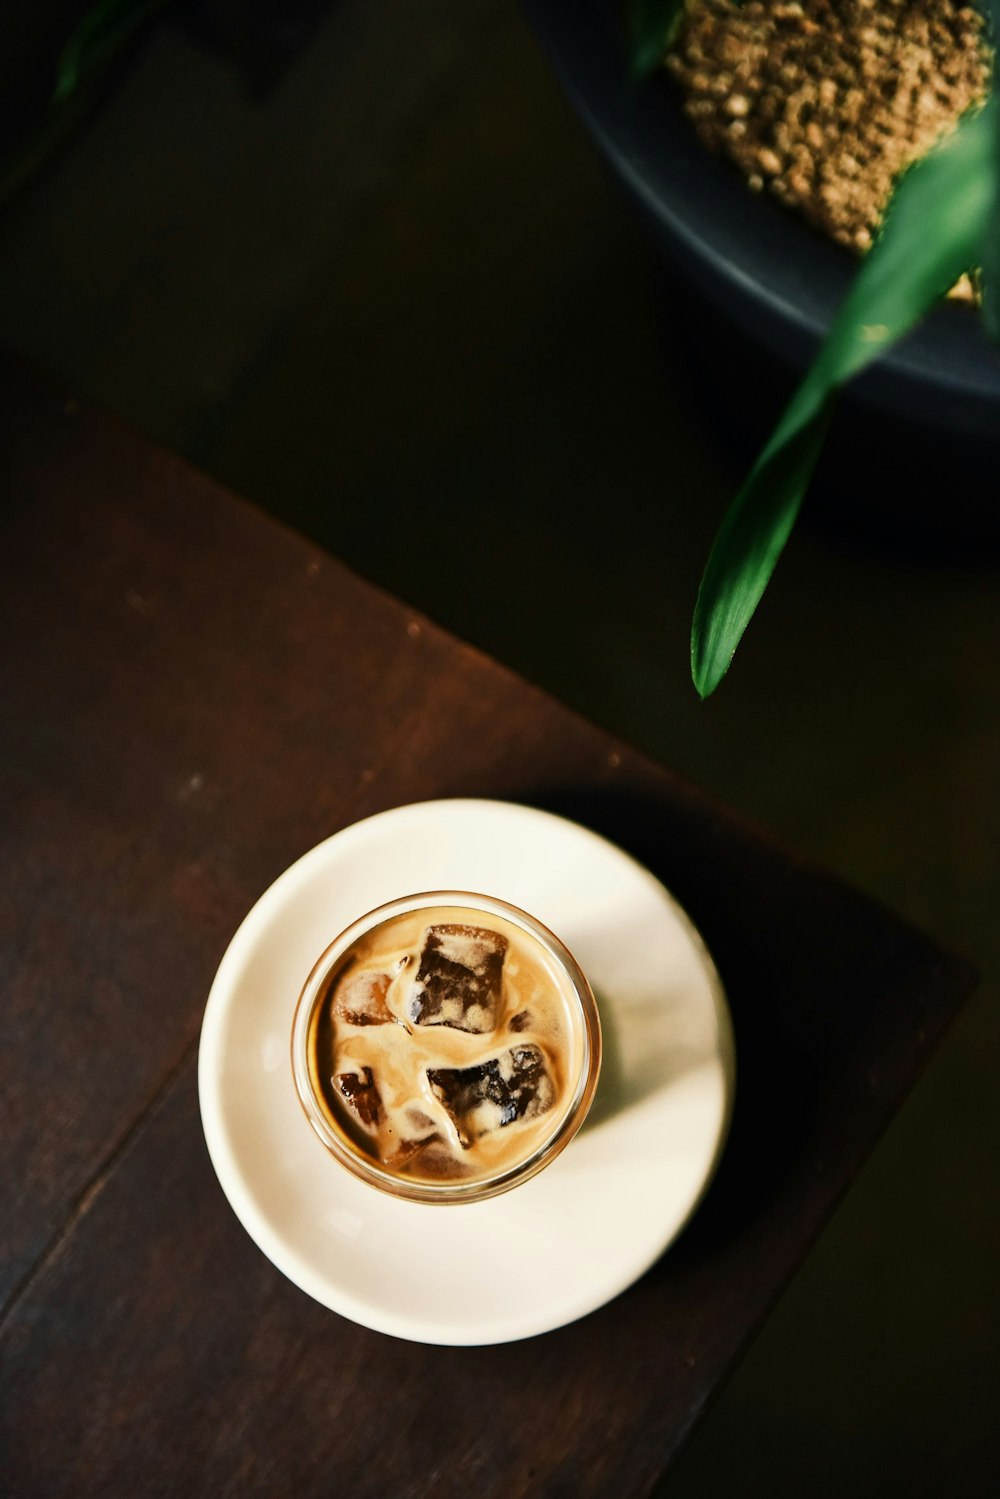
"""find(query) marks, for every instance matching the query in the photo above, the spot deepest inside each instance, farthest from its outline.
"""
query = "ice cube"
(399, 1155)
(433, 1159)
(360, 999)
(422, 1129)
(428, 1157)
(480, 1099)
(359, 1094)
(459, 979)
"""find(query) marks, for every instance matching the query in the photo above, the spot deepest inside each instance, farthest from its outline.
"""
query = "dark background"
(385, 289)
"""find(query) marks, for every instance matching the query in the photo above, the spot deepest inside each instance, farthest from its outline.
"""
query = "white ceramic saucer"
(588, 1225)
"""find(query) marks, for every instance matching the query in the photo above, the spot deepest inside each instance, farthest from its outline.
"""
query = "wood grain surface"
(191, 698)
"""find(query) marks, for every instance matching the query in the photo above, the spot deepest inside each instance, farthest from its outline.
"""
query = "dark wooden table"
(191, 698)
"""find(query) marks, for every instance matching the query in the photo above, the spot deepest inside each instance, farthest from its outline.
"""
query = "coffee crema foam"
(446, 1045)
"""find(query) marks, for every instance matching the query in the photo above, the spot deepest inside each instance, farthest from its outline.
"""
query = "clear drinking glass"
(581, 1068)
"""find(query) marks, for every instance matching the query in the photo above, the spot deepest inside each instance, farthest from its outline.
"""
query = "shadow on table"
(810, 970)
(622, 1087)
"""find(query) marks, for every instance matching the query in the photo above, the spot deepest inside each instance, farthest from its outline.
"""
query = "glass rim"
(372, 1172)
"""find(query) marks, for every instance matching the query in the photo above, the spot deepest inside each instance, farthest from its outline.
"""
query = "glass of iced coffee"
(446, 1047)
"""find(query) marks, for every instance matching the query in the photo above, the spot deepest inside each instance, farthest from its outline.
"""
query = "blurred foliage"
(102, 31)
(58, 57)
(990, 263)
(651, 28)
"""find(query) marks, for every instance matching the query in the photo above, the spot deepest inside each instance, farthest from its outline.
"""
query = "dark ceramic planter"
(772, 277)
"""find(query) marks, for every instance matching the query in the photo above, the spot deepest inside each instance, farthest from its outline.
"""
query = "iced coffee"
(449, 1045)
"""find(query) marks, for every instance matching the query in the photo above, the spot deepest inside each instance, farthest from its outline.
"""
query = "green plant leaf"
(933, 230)
(651, 25)
(990, 260)
(104, 27)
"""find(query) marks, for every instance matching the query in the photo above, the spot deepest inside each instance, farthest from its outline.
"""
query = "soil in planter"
(824, 102)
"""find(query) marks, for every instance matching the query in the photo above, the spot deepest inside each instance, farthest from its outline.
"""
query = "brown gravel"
(823, 102)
